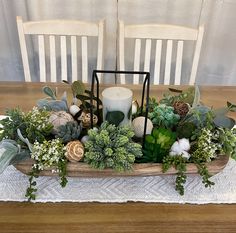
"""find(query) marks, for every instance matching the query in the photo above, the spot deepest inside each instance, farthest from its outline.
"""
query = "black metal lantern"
(146, 88)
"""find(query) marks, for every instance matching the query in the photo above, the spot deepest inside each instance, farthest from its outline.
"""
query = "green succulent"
(111, 147)
(69, 132)
(157, 145)
(163, 116)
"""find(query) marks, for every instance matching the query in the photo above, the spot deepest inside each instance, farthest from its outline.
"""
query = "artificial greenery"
(163, 116)
(31, 190)
(34, 125)
(84, 96)
(38, 125)
(49, 154)
(203, 172)
(186, 130)
(179, 163)
(227, 139)
(111, 147)
(157, 145)
(69, 132)
(174, 95)
(206, 146)
(8, 126)
(179, 115)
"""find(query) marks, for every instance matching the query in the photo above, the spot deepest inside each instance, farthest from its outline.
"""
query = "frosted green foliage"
(69, 132)
(207, 146)
(163, 116)
(111, 147)
(8, 150)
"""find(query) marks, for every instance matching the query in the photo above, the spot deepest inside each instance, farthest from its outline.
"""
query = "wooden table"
(97, 217)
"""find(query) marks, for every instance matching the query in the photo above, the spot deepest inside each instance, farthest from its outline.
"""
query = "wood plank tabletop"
(125, 217)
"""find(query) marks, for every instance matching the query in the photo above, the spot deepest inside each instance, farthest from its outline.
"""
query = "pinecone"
(69, 132)
(181, 108)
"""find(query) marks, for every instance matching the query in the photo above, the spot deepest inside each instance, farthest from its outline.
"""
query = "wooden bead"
(138, 126)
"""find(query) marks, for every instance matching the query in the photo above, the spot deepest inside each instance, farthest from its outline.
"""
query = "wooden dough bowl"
(81, 169)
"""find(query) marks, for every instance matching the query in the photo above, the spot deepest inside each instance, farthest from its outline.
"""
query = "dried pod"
(74, 151)
(181, 108)
(86, 119)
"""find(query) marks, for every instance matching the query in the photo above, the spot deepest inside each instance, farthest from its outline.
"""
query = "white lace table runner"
(13, 185)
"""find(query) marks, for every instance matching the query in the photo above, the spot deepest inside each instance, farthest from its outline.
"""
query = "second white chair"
(157, 33)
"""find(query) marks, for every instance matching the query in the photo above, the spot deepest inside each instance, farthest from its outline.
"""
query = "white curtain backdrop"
(218, 57)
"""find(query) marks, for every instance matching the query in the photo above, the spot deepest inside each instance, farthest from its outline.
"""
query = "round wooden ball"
(138, 126)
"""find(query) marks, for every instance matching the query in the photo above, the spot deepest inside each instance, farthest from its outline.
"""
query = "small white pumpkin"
(138, 126)
(59, 118)
(74, 151)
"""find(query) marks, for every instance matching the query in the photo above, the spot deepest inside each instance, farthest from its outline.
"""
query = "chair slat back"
(84, 45)
(42, 62)
(157, 66)
(137, 59)
(68, 32)
(158, 33)
(53, 65)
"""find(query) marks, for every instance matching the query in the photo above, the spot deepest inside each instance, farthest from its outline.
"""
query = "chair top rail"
(160, 31)
(60, 27)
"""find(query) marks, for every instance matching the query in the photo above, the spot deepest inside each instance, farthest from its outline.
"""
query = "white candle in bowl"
(117, 99)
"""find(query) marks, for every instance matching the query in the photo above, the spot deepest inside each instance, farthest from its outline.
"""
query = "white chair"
(46, 32)
(157, 33)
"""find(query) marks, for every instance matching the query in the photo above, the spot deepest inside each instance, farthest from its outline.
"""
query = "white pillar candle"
(117, 105)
